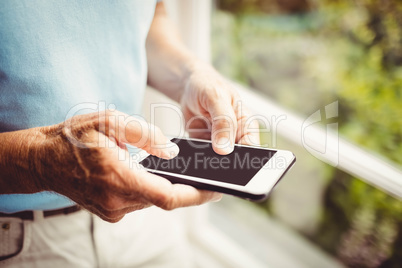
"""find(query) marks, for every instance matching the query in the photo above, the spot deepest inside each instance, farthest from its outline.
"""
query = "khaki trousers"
(147, 238)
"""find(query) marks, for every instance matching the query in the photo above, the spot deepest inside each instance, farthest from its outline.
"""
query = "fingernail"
(217, 197)
(171, 151)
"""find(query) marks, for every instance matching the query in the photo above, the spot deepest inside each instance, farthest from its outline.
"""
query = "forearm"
(18, 160)
(170, 63)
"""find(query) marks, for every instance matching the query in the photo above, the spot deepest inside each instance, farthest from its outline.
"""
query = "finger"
(104, 216)
(139, 133)
(224, 128)
(132, 183)
(116, 202)
(116, 215)
(248, 131)
(116, 193)
(162, 193)
(101, 214)
(198, 127)
(152, 140)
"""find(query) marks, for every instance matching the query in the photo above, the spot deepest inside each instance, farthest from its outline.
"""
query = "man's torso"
(62, 58)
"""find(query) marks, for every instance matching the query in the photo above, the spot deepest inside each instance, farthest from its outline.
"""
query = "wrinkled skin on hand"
(85, 159)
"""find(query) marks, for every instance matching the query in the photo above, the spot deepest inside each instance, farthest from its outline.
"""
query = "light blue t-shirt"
(65, 57)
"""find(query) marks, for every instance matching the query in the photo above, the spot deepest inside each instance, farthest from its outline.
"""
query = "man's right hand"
(85, 159)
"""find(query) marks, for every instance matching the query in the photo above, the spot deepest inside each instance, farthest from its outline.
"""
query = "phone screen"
(197, 159)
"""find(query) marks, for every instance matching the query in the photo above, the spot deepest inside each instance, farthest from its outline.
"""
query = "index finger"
(248, 131)
(224, 128)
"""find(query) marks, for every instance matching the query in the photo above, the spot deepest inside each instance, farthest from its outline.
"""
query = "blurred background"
(294, 58)
(306, 54)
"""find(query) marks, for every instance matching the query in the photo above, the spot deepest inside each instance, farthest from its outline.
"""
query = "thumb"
(143, 135)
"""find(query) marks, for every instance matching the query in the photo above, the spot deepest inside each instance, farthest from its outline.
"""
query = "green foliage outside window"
(306, 55)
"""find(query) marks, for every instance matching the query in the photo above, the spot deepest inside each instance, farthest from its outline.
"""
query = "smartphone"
(248, 172)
